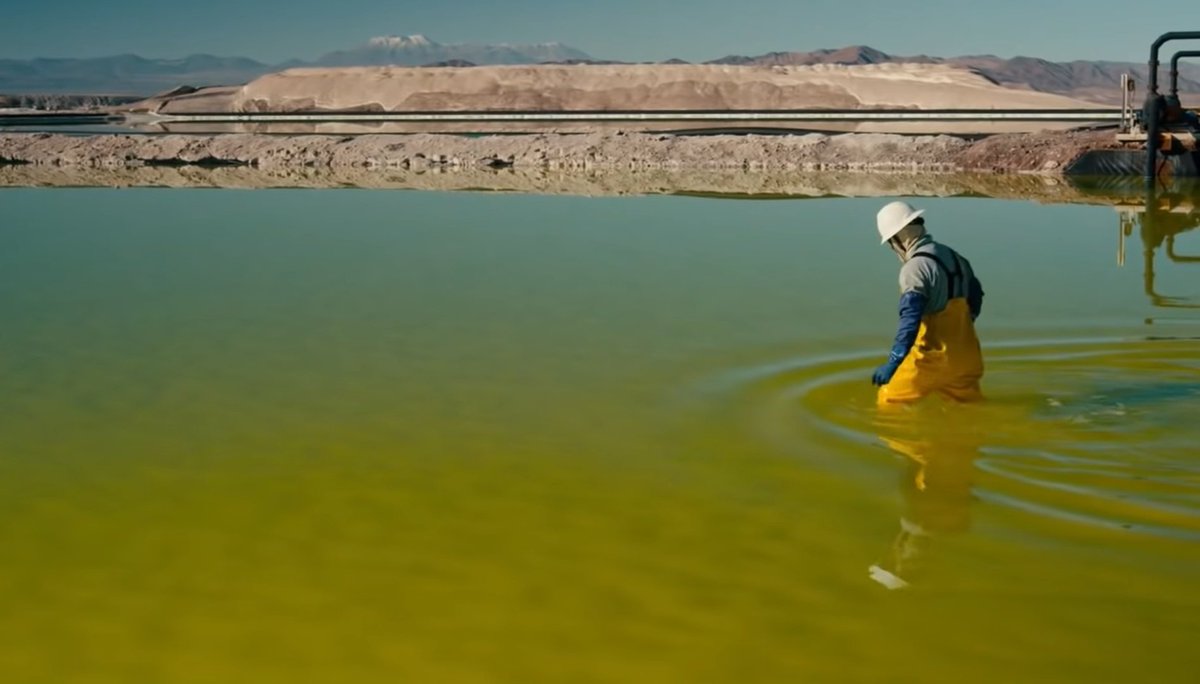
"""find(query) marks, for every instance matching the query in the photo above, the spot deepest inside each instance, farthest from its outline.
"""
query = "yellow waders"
(945, 359)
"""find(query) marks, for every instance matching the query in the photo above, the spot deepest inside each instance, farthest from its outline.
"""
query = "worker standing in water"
(935, 349)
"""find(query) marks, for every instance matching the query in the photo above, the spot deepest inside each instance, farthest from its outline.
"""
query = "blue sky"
(696, 30)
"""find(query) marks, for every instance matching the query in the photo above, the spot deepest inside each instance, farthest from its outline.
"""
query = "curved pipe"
(1152, 108)
(1175, 68)
(1158, 43)
(1161, 300)
(1179, 258)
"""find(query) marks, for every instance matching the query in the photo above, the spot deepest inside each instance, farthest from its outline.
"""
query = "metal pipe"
(1058, 115)
(1158, 43)
(1152, 104)
(1179, 258)
(1151, 113)
(1175, 68)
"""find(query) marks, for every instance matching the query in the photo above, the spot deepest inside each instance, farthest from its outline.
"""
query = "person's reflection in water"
(935, 485)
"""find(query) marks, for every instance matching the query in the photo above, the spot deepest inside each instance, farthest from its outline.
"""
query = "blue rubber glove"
(883, 374)
(912, 306)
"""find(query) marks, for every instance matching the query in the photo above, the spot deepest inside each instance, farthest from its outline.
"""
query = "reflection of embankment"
(541, 181)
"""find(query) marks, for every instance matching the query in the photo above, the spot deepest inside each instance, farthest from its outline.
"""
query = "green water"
(319, 436)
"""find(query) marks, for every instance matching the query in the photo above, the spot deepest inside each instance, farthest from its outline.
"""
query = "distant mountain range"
(134, 75)
(123, 74)
(1096, 80)
(419, 51)
(130, 74)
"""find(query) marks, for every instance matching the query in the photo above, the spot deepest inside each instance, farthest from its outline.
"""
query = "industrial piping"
(1175, 68)
(1154, 100)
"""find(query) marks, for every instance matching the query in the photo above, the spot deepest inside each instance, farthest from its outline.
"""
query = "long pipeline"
(1097, 114)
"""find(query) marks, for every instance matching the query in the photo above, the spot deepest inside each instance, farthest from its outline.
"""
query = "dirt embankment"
(1045, 153)
(626, 87)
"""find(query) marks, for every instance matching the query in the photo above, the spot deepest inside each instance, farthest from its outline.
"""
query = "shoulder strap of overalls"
(956, 289)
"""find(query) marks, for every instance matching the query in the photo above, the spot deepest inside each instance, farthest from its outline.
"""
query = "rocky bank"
(1037, 153)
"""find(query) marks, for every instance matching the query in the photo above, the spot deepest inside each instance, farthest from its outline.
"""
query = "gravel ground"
(1039, 153)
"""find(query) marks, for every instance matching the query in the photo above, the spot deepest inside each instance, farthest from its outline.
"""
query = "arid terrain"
(130, 74)
(672, 87)
(1045, 153)
(1039, 147)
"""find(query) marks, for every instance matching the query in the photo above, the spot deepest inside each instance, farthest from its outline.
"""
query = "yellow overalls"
(946, 357)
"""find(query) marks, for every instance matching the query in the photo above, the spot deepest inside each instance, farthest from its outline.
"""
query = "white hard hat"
(892, 218)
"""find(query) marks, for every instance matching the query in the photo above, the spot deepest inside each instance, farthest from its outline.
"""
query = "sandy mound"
(188, 101)
(620, 87)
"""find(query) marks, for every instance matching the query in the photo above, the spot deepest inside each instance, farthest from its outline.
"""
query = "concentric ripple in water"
(1097, 433)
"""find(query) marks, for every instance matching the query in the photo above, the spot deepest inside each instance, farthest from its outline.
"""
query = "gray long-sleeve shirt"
(922, 275)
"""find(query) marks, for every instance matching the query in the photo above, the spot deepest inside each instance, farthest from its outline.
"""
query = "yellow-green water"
(318, 436)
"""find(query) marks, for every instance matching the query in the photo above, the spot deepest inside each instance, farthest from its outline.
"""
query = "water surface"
(303, 435)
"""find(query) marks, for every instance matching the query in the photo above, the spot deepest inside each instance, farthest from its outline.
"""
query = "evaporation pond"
(344, 435)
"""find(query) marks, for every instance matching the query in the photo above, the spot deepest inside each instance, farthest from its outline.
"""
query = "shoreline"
(732, 183)
(1045, 153)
